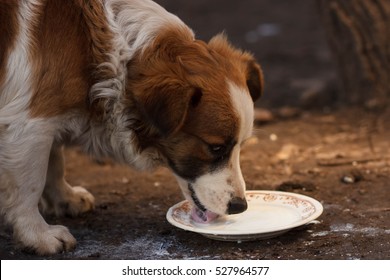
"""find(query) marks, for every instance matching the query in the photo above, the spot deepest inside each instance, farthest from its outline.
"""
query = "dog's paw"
(78, 202)
(49, 241)
(72, 202)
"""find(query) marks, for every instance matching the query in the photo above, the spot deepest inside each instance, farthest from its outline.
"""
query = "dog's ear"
(252, 70)
(254, 79)
(166, 106)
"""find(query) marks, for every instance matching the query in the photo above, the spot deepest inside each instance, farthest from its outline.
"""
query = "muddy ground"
(303, 143)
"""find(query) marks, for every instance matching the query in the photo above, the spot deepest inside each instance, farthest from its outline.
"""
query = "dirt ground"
(313, 154)
(302, 143)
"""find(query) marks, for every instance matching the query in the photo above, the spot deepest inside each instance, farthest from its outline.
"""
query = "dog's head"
(197, 99)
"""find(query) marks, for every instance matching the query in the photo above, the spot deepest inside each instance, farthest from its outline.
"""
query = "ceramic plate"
(270, 213)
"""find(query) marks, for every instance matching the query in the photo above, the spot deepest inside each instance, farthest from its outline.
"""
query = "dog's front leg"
(59, 197)
(24, 155)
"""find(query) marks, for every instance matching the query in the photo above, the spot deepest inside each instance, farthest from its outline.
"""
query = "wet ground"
(303, 143)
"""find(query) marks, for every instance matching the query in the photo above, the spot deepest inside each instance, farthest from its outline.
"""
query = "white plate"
(270, 213)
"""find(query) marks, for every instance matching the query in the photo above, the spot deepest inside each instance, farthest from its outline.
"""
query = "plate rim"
(203, 230)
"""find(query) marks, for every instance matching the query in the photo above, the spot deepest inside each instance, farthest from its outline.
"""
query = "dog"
(123, 79)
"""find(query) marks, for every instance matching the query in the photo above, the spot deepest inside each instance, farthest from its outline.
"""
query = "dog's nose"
(237, 205)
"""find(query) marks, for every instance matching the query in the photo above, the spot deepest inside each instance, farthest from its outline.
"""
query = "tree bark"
(359, 36)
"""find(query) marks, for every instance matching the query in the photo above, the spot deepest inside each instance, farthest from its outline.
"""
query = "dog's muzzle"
(237, 205)
(200, 214)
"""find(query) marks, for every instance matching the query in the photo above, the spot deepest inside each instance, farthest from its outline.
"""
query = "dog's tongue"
(202, 217)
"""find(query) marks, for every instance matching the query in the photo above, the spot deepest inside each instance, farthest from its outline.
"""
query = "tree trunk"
(359, 36)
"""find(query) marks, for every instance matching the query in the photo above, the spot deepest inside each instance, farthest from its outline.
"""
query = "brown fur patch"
(244, 62)
(175, 64)
(71, 39)
(8, 32)
(184, 82)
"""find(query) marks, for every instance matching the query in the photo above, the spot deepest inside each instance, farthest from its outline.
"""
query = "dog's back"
(47, 55)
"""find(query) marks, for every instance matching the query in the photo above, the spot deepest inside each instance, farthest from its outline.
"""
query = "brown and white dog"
(123, 79)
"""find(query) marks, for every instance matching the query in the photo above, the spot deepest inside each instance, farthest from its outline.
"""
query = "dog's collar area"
(195, 198)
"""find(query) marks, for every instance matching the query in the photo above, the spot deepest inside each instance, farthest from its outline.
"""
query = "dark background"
(287, 38)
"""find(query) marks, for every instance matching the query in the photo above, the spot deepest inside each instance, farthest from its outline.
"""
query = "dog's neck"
(134, 25)
(116, 129)
(115, 137)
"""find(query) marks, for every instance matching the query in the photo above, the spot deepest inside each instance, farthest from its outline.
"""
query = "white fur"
(24, 157)
(15, 96)
(139, 21)
(215, 190)
(243, 105)
(15, 89)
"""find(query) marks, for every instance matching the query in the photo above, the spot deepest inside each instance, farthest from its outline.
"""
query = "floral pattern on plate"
(270, 213)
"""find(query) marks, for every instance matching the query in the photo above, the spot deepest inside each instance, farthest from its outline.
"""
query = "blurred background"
(287, 38)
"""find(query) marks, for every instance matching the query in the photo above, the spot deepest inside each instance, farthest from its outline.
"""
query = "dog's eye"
(217, 150)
